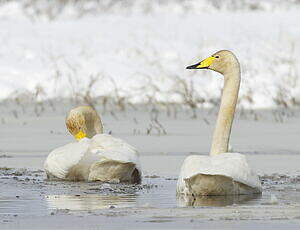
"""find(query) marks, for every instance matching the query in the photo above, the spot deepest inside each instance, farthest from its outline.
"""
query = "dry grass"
(154, 98)
(51, 10)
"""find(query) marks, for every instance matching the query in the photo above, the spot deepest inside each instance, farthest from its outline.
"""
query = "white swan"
(221, 173)
(96, 156)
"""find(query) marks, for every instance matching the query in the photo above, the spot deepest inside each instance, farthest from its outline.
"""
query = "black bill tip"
(192, 66)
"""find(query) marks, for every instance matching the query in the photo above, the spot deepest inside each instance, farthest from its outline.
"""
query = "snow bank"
(140, 55)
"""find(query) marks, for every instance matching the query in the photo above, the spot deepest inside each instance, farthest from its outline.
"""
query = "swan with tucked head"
(95, 156)
(221, 173)
(83, 121)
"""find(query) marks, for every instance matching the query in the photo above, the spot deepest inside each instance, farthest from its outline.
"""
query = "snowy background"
(137, 50)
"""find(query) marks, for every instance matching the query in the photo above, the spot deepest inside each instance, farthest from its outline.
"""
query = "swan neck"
(225, 118)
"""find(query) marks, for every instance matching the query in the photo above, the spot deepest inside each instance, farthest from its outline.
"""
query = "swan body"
(98, 158)
(221, 173)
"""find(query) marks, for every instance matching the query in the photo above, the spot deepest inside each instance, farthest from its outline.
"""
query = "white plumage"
(102, 158)
(231, 166)
(96, 156)
(221, 173)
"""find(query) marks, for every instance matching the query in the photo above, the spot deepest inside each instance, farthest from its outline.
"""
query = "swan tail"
(114, 171)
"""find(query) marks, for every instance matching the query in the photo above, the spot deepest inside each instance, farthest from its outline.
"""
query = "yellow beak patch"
(205, 63)
(80, 135)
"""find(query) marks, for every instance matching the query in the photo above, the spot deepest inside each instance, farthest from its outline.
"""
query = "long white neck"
(226, 113)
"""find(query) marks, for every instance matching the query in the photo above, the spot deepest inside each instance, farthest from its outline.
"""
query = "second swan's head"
(83, 121)
(223, 61)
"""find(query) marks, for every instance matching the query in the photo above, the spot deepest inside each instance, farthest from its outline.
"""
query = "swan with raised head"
(95, 156)
(221, 173)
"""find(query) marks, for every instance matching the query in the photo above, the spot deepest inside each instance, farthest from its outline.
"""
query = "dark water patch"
(5, 156)
(280, 181)
(22, 175)
(159, 221)
(152, 176)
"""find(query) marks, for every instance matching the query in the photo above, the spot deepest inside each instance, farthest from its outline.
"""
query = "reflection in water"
(89, 202)
(215, 201)
(16, 206)
(6, 206)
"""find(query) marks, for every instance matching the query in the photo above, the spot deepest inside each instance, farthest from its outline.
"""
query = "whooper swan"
(96, 156)
(221, 173)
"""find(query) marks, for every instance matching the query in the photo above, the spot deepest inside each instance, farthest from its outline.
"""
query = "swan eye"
(216, 56)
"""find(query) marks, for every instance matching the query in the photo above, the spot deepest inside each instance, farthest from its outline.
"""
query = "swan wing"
(232, 165)
(119, 161)
(112, 148)
(61, 160)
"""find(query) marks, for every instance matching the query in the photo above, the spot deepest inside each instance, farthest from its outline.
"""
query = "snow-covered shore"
(142, 56)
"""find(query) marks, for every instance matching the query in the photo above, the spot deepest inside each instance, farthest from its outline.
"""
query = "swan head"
(83, 121)
(223, 61)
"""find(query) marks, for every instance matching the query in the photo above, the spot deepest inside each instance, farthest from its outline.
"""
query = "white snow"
(145, 53)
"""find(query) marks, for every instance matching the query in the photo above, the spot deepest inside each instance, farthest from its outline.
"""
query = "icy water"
(29, 201)
(25, 194)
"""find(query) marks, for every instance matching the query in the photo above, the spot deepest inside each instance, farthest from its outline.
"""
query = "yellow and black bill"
(196, 66)
(203, 64)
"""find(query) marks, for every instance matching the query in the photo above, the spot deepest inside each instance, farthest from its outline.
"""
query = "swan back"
(231, 165)
(113, 148)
